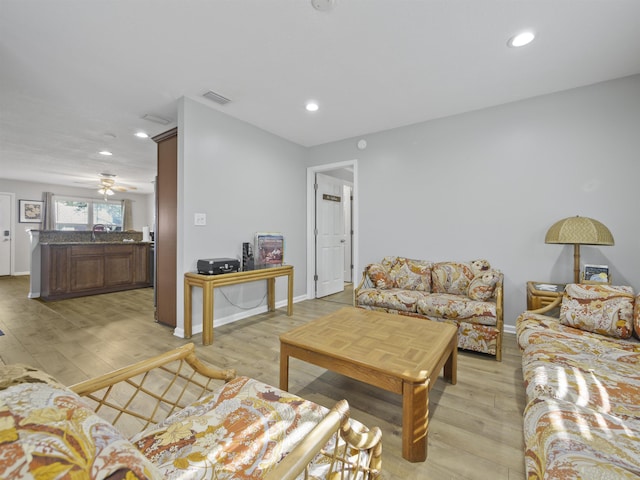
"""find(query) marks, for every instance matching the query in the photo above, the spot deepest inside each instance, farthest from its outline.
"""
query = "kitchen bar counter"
(76, 269)
(97, 242)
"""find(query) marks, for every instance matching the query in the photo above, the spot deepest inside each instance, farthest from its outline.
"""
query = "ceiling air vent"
(215, 97)
(156, 119)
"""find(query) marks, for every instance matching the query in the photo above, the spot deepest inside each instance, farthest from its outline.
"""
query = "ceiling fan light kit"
(107, 185)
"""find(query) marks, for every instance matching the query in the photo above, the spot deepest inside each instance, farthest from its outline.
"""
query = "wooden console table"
(209, 282)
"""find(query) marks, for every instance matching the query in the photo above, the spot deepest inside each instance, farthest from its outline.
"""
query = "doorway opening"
(346, 171)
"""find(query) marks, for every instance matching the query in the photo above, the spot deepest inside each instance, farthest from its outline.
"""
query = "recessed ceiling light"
(521, 39)
(106, 152)
(311, 107)
(142, 135)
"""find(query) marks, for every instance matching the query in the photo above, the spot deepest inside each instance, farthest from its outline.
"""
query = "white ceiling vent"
(216, 97)
(156, 119)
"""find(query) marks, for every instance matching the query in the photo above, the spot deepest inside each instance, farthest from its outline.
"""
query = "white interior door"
(5, 234)
(331, 236)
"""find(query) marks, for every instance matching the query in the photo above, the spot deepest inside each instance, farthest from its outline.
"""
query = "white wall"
(490, 183)
(33, 191)
(245, 180)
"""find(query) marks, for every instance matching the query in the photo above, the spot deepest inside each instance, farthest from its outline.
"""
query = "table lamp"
(578, 231)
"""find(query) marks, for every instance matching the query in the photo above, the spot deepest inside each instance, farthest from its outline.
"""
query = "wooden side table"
(541, 294)
(209, 282)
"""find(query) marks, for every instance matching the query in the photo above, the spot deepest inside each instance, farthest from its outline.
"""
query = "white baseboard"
(510, 329)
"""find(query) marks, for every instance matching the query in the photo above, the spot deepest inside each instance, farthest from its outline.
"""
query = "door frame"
(311, 220)
(13, 227)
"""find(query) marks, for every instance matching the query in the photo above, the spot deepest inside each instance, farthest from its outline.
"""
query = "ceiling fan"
(108, 187)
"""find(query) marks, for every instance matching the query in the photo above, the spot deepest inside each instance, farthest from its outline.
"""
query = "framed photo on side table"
(269, 249)
(31, 211)
(596, 274)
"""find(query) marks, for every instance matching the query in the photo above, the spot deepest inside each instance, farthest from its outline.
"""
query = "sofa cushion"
(46, 431)
(379, 276)
(567, 440)
(483, 285)
(394, 298)
(409, 274)
(451, 277)
(457, 307)
(602, 309)
(533, 328)
(565, 370)
(455, 277)
(230, 433)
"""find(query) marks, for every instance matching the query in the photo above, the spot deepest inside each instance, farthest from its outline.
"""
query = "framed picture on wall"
(31, 211)
(269, 249)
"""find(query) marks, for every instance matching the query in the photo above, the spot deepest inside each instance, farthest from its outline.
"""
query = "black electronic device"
(216, 266)
(247, 257)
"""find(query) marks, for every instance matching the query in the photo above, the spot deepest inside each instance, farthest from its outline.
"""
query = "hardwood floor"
(475, 427)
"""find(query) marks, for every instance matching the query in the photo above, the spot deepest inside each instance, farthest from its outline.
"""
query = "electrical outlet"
(200, 219)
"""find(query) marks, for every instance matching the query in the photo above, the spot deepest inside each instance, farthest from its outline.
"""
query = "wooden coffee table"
(400, 354)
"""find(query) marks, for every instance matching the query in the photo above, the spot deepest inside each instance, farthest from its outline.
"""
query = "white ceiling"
(75, 72)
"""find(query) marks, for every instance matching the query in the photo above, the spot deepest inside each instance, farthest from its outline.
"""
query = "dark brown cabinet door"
(86, 265)
(118, 265)
(55, 270)
(141, 264)
(87, 272)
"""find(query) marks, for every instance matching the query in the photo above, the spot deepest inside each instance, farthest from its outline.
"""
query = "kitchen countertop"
(135, 242)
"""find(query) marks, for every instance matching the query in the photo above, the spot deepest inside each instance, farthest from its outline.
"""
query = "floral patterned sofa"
(468, 295)
(582, 378)
(173, 417)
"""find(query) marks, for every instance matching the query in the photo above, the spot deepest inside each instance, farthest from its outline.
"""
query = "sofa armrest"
(365, 282)
(336, 423)
(144, 393)
(499, 296)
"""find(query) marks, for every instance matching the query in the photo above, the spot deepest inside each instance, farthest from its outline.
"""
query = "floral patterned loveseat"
(582, 380)
(468, 295)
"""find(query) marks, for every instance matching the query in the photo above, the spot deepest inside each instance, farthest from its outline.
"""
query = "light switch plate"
(200, 219)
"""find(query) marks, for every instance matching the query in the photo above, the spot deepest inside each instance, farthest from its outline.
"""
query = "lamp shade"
(580, 231)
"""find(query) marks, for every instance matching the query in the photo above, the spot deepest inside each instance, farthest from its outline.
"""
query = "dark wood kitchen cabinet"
(57, 271)
(89, 269)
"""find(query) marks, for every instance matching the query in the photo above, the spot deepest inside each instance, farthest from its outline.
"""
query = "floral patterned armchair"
(582, 378)
(468, 295)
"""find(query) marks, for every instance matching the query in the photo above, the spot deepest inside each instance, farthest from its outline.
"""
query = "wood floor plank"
(475, 428)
